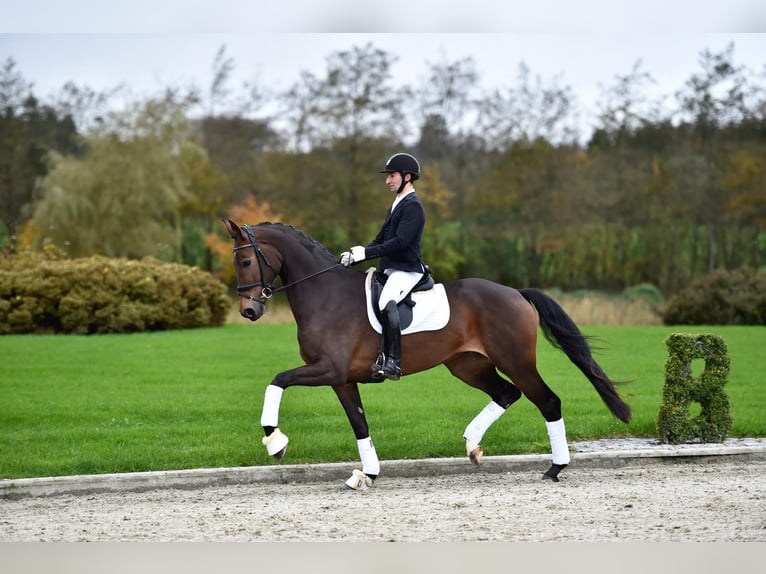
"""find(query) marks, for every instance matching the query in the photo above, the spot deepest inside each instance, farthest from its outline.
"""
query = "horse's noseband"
(260, 257)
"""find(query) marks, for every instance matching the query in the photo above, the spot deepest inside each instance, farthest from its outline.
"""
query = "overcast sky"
(151, 44)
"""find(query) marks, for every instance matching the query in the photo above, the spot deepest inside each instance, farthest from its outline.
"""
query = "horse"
(492, 331)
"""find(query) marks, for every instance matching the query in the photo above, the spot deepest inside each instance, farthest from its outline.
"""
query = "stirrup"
(378, 372)
(391, 369)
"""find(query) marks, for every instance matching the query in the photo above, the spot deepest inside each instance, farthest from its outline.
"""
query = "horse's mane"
(305, 239)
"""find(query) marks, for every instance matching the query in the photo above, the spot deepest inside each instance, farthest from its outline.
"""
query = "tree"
(351, 118)
(620, 168)
(531, 110)
(28, 131)
(87, 108)
(223, 66)
(124, 198)
(229, 171)
(624, 106)
(445, 101)
(236, 144)
(200, 209)
(355, 99)
(441, 240)
(521, 208)
(710, 101)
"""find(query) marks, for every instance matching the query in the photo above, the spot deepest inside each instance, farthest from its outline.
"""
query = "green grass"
(187, 399)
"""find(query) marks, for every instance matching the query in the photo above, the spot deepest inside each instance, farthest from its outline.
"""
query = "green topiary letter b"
(674, 425)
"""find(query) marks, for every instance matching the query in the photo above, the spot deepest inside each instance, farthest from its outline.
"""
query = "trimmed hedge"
(736, 297)
(674, 425)
(45, 293)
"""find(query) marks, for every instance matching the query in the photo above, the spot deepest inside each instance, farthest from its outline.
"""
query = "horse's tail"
(563, 334)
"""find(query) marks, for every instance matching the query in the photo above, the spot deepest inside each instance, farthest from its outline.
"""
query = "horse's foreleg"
(274, 439)
(310, 375)
(351, 401)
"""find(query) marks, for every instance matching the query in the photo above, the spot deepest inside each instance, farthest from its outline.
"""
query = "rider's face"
(393, 181)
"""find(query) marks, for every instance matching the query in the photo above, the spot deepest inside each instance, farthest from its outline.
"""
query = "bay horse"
(492, 329)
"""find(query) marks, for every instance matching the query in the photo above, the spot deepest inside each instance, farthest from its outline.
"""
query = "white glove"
(357, 254)
(354, 256)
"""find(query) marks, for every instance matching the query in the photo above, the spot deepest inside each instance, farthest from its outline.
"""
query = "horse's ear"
(232, 228)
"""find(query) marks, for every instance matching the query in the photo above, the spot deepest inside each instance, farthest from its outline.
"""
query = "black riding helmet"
(403, 163)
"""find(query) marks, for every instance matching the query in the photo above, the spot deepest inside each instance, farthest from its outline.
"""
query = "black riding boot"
(388, 365)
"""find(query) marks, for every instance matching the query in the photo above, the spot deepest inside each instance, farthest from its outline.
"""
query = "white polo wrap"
(370, 462)
(271, 401)
(558, 435)
(479, 425)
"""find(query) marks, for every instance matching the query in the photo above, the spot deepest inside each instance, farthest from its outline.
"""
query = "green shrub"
(723, 297)
(45, 293)
(644, 292)
(712, 424)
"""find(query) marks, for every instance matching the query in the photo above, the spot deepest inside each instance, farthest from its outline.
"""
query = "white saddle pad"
(430, 313)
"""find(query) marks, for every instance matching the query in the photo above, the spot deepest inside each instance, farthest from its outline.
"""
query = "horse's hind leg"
(529, 381)
(351, 401)
(477, 371)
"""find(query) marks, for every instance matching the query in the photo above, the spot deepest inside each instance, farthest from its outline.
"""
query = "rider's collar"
(399, 198)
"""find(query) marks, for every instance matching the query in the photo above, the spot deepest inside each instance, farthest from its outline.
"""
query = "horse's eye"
(246, 263)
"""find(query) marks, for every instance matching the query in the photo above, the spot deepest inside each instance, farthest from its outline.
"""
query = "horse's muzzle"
(252, 309)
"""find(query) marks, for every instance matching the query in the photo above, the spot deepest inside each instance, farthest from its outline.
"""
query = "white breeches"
(397, 286)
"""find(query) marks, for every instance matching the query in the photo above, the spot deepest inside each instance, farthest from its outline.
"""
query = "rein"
(268, 289)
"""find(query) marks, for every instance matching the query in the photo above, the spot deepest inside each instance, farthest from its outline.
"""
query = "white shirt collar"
(399, 198)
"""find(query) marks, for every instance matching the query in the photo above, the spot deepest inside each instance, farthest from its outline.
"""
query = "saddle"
(425, 308)
(406, 305)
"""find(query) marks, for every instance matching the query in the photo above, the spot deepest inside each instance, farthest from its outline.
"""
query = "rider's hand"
(356, 255)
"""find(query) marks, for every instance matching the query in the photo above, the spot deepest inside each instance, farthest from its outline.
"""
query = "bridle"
(260, 257)
(268, 289)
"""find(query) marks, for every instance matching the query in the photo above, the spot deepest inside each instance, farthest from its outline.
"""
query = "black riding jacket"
(398, 241)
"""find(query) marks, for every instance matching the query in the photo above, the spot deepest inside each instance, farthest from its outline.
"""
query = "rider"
(398, 246)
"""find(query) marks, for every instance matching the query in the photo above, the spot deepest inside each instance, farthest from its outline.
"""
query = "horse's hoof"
(475, 452)
(280, 455)
(358, 481)
(553, 472)
(276, 444)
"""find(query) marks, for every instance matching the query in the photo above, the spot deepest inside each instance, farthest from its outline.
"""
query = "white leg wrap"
(370, 462)
(271, 400)
(558, 435)
(479, 425)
